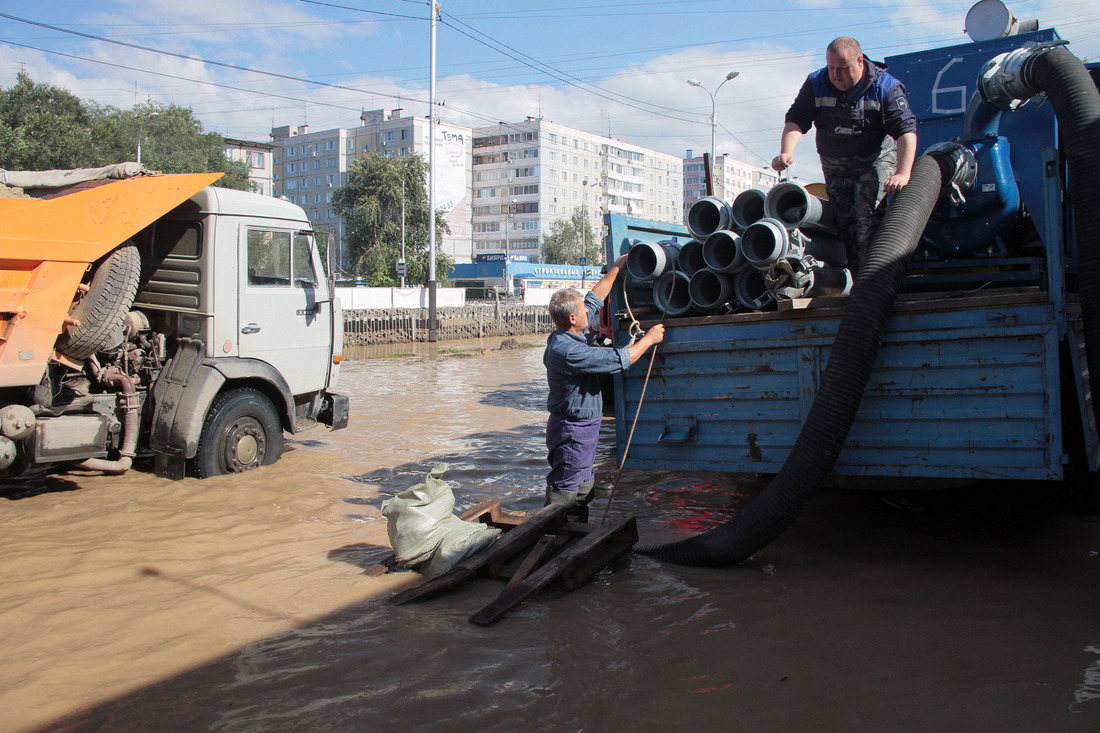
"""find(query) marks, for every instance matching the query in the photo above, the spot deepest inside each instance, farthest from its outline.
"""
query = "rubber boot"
(575, 502)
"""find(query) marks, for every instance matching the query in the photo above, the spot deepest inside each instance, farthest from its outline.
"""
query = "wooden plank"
(620, 542)
(502, 550)
(570, 556)
(531, 561)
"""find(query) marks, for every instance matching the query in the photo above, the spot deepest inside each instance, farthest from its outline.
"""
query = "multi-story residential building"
(310, 166)
(259, 159)
(731, 177)
(527, 175)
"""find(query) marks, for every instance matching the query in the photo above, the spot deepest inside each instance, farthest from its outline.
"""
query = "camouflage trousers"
(854, 187)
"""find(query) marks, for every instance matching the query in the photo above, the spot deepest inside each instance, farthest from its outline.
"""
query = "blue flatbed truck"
(981, 371)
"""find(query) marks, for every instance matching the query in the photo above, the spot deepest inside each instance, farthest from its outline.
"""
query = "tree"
(44, 127)
(564, 244)
(371, 206)
(172, 141)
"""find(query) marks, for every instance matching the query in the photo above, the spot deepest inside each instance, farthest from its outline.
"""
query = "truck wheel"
(241, 432)
(102, 310)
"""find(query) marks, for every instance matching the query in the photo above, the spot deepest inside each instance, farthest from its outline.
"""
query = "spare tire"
(102, 310)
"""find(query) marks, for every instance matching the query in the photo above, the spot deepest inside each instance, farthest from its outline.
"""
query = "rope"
(645, 385)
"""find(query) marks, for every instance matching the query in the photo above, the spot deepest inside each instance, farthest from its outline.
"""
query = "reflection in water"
(239, 603)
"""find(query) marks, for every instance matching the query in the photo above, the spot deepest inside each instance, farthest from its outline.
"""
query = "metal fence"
(476, 319)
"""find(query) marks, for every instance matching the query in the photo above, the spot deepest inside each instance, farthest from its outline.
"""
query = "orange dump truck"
(157, 313)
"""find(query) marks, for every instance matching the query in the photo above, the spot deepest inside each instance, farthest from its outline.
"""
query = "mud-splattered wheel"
(242, 431)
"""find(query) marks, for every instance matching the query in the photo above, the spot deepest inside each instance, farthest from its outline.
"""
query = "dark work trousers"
(854, 187)
(571, 451)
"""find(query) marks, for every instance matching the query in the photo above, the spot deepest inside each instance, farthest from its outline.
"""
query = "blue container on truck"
(981, 370)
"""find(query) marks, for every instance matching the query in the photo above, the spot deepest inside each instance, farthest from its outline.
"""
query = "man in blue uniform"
(576, 408)
(859, 111)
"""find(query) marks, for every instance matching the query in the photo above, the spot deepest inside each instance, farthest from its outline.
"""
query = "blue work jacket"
(853, 124)
(573, 368)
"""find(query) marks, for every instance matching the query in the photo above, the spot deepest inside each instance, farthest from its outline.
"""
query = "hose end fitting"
(1001, 79)
(962, 161)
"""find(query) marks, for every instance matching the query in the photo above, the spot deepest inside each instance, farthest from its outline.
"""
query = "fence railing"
(473, 320)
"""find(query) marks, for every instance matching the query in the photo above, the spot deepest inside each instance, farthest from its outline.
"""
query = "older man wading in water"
(859, 111)
(576, 409)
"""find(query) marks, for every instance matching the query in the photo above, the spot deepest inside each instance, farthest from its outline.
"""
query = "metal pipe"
(647, 261)
(804, 277)
(127, 399)
(722, 252)
(710, 291)
(748, 208)
(750, 290)
(708, 215)
(670, 293)
(794, 206)
(690, 260)
(765, 243)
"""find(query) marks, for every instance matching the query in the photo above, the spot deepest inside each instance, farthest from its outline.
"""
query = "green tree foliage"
(44, 127)
(564, 244)
(371, 206)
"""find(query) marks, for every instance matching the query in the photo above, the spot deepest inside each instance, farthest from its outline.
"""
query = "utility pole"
(433, 332)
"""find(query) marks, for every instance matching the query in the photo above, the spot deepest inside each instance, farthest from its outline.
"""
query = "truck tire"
(102, 310)
(241, 432)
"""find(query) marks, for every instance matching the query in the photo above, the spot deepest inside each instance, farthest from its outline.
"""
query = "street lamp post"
(141, 131)
(713, 111)
(584, 221)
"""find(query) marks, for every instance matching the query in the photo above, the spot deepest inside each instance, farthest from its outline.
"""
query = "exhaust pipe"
(797, 208)
(670, 293)
(765, 243)
(690, 260)
(708, 215)
(751, 291)
(722, 252)
(748, 208)
(646, 261)
(710, 291)
(128, 402)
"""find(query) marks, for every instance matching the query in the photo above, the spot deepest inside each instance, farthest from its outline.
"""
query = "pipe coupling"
(1001, 79)
(964, 164)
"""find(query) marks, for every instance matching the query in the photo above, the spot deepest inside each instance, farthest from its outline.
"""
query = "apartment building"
(731, 177)
(258, 157)
(309, 166)
(527, 175)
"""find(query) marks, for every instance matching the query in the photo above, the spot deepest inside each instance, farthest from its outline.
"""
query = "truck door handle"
(250, 328)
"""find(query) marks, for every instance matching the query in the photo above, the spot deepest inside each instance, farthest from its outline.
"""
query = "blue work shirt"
(572, 369)
(853, 124)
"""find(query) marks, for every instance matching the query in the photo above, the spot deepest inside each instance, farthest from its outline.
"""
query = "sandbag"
(424, 532)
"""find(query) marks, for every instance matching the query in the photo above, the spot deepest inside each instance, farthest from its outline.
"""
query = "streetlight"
(141, 130)
(584, 220)
(507, 217)
(713, 113)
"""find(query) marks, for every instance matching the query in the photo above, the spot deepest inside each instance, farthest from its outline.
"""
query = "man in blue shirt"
(859, 111)
(576, 408)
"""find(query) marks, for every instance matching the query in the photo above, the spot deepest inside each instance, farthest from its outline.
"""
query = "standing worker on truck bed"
(859, 111)
(576, 408)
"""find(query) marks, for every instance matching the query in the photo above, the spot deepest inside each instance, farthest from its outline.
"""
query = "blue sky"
(612, 68)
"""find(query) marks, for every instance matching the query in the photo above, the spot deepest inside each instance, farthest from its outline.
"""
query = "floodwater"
(240, 604)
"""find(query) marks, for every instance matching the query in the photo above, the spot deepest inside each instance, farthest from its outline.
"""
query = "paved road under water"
(239, 603)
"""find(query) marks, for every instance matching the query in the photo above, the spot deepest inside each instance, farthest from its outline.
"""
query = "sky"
(613, 68)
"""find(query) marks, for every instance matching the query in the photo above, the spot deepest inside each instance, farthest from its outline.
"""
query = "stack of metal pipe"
(746, 255)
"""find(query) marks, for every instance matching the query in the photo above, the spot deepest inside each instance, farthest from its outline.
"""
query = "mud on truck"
(158, 313)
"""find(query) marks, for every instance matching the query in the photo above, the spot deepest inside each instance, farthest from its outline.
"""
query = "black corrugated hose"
(1063, 78)
(843, 382)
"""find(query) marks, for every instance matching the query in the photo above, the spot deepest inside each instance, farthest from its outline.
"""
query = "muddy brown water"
(239, 603)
